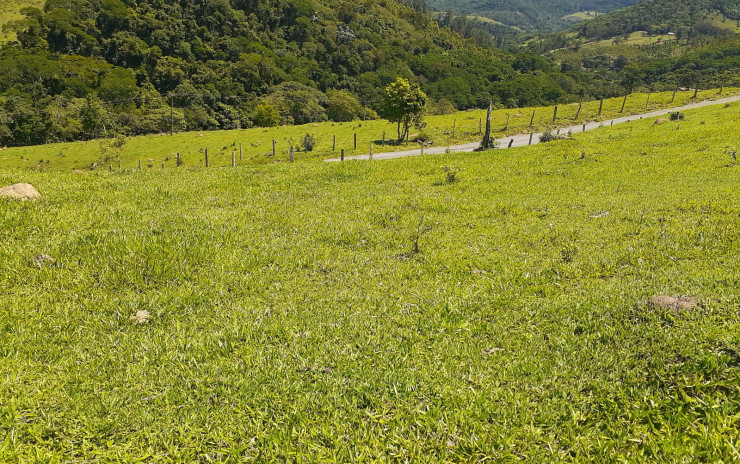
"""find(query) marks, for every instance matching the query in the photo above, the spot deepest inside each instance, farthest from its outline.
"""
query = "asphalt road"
(523, 140)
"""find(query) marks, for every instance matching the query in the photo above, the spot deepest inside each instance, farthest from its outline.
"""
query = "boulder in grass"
(20, 192)
(679, 303)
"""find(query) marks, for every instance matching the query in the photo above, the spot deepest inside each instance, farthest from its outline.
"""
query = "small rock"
(79, 171)
(660, 121)
(676, 303)
(490, 351)
(141, 317)
(42, 259)
(20, 192)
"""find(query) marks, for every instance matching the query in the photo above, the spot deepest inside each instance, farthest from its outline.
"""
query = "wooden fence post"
(139, 165)
(584, 128)
(162, 164)
(355, 140)
(454, 126)
(555, 114)
(110, 167)
(601, 106)
(178, 162)
(206, 157)
(531, 121)
(342, 155)
(696, 90)
(511, 143)
(334, 143)
(648, 100)
(241, 153)
(623, 104)
(508, 117)
(578, 113)
(480, 126)
(233, 158)
(292, 158)
(531, 136)
(487, 141)
(273, 147)
(371, 151)
(674, 94)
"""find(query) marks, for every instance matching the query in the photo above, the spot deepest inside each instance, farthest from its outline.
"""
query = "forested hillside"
(531, 14)
(685, 18)
(88, 68)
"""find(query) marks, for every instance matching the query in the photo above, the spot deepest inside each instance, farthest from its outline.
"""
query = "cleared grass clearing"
(292, 320)
(257, 143)
(10, 10)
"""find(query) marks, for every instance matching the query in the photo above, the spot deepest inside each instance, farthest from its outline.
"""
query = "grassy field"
(459, 308)
(10, 11)
(257, 143)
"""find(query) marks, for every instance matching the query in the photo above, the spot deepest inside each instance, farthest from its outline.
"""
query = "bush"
(308, 143)
(549, 136)
(266, 115)
(677, 116)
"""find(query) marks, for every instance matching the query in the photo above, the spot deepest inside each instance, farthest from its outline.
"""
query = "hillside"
(10, 11)
(492, 306)
(532, 15)
(83, 70)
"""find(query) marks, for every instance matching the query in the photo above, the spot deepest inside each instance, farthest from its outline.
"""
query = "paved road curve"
(523, 140)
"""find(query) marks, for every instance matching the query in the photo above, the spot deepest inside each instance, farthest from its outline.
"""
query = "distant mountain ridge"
(531, 14)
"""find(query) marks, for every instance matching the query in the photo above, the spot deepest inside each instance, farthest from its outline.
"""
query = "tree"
(404, 105)
(266, 115)
(343, 106)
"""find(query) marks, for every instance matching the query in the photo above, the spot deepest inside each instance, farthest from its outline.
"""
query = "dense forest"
(88, 68)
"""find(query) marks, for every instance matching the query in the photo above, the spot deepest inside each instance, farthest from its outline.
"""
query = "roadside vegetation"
(463, 308)
(256, 144)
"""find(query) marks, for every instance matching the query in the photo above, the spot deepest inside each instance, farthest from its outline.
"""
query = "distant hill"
(532, 15)
(86, 68)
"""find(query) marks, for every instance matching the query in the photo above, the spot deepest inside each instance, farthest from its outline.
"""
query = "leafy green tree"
(343, 106)
(404, 104)
(266, 115)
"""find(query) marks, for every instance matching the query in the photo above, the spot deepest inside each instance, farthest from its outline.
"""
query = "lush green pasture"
(293, 318)
(257, 143)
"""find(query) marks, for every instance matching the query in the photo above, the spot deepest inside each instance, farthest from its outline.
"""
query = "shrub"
(676, 116)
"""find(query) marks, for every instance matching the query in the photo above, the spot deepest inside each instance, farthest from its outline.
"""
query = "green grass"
(257, 143)
(10, 11)
(291, 319)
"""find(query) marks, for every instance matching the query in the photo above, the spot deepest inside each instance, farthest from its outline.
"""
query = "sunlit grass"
(292, 318)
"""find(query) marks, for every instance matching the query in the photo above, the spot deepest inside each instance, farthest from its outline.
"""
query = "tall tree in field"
(404, 105)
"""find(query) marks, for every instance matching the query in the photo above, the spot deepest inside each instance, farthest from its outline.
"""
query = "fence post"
(511, 143)
(178, 161)
(119, 165)
(480, 126)
(355, 140)
(334, 143)
(508, 118)
(371, 151)
(241, 153)
(454, 126)
(139, 165)
(555, 115)
(674, 94)
(601, 106)
(531, 136)
(342, 155)
(233, 158)
(422, 148)
(531, 121)
(623, 104)
(292, 159)
(696, 90)
(578, 113)
(162, 164)
(584, 128)
(648, 100)
(206, 157)
(110, 167)
(273, 147)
